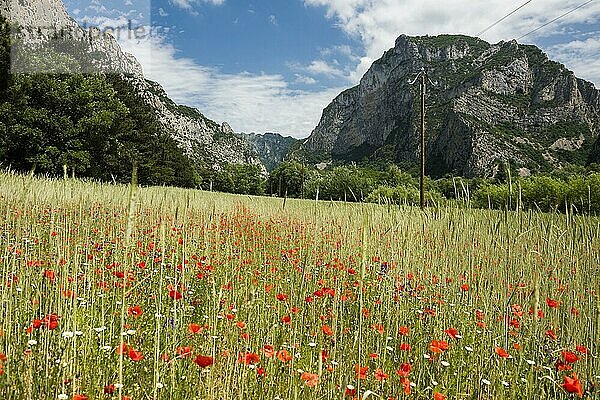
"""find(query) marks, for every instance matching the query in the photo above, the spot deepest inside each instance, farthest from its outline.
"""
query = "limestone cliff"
(272, 148)
(500, 103)
(44, 26)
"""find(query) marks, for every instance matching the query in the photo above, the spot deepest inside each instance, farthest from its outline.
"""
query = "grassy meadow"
(161, 293)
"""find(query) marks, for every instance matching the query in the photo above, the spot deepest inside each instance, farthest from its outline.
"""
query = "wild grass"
(288, 299)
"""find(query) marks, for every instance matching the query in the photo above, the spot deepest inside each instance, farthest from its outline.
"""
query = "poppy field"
(115, 292)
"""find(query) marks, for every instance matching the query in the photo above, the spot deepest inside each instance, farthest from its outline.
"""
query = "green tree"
(240, 179)
(288, 179)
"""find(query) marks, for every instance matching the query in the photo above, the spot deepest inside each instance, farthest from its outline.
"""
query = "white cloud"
(582, 56)
(377, 23)
(188, 4)
(248, 102)
(185, 4)
(321, 67)
(273, 20)
(307, 80)
(162, 12)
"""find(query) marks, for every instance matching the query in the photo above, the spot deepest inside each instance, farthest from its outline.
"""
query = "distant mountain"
(272, 148)
(493, 104)
(46, 29)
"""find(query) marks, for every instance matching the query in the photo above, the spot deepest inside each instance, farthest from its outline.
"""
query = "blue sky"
(273, 65)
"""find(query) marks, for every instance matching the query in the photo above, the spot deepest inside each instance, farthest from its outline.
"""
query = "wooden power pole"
(423, 79)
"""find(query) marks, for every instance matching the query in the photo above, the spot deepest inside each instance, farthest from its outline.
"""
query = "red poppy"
(403, 331)
(184, 351)
(551, 334)
(404, 370)
(501, 352)
(574, 311)
(268, 350)
(80, 397)
(551, 303)
(122, 348)
(361, 372)
(327, 330)
(51, 275)
(438, 346)
(135, 311)
(109, 389)
(350, 390)
(453, 333)
(380, 375)
(204, 361)
(464, 287)
(175, 295)
(572, 385)
(311, 380)
(281, 297)
(438, 396)
(570, 357)
(284, 355)
(248, 358)
(405, 347)
(241, 324)
(562, 366)
(195, 328)
(135, 355)
(406, 385)
(581, 349)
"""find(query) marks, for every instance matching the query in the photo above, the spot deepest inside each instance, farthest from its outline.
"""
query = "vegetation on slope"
(94, 125)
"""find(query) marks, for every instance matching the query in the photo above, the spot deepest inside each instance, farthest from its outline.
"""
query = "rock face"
(501, 103)
(272, 148)
(45, 26)
(41, 22)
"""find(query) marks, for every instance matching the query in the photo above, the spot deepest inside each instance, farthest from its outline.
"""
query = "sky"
(274, 65)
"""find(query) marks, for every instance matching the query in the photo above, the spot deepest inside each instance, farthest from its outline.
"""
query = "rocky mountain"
(272, 148)
(493, 104)
(46, 32)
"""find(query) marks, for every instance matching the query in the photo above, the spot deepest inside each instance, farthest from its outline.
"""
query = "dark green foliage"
(582, 192)
(4, 55)
(95, 125)
(239, 179)
(288, 179)
(161, 161)
(341, 183)
(594, 156)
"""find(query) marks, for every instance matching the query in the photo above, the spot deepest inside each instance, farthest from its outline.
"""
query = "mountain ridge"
(494, 104)
(272, 148)
(208, 144)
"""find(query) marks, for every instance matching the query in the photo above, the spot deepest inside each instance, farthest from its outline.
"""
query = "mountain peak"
(47, 33)
(494, 103)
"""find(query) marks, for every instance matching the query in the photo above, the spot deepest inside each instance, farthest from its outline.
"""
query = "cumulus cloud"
(249, 102)
(377, 23)
(322, 67)
(582, 56)
(307, 80)
(188, 4)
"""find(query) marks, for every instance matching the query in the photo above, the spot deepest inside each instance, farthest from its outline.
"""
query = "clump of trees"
(577, 188)
(95, 125)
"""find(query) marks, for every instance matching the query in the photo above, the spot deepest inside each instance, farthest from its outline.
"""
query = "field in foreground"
(192, 295)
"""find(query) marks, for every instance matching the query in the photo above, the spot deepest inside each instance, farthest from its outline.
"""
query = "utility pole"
(303, 180)
(423, 79)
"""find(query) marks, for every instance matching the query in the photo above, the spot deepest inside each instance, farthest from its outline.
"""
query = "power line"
(503, 18)
(555, 19)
